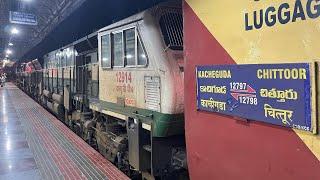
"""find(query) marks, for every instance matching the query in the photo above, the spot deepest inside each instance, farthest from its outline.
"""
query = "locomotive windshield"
(171, 24)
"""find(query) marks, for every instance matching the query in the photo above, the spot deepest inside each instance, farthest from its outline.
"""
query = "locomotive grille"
(152, 93)
(171, 24)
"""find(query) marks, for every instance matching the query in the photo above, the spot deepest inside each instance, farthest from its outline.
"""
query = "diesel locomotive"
(121, 90)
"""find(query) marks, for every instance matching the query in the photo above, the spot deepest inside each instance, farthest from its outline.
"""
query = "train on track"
(121, 90)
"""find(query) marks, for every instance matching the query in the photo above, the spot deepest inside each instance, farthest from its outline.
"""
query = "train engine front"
(121, 90)
(140, 121)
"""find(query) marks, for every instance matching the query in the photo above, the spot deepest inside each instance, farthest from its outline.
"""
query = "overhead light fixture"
(7, 55)
(8, 51)
(4, 62)
(10, 44)
(14, 31)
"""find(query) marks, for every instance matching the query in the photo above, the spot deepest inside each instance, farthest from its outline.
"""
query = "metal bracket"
(141, 115)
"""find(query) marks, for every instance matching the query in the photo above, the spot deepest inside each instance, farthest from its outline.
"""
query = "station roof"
(49, 13)
(60, 22)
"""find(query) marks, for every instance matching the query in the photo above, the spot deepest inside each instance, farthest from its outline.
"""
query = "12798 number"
(248, 100)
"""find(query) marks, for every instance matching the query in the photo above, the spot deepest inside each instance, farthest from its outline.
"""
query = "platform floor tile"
(36, 145)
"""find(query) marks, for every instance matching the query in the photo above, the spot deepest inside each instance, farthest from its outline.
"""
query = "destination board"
(22, 18)
(278, 94)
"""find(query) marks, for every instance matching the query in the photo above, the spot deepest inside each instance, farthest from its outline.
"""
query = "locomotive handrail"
(141, 115)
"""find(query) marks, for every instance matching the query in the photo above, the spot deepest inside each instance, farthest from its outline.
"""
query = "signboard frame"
(16, 17)
(313, 90)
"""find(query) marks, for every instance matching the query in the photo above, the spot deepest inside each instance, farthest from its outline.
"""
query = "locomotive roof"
(133, 18)
(141, 15)
(75, 42)
(130, 19)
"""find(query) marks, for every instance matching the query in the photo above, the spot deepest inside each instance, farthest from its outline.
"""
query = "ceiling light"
(9, 51)
(14, 31)
(7, 55)
(10, 44)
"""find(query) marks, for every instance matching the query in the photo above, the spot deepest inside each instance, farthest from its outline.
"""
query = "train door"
(82, 81)
(92, 71)
(79, 71)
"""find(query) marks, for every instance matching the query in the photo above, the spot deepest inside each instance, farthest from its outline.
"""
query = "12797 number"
(238, 86)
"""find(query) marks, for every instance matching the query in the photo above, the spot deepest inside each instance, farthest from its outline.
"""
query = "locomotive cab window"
(105, 51)
(122, 49)
(117, 50)
(142, 57)
(129, 48)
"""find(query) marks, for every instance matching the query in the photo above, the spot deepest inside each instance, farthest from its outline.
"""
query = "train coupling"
(179, 158)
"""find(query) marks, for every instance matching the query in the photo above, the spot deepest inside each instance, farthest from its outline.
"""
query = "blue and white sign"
(23, 18)
(278, 94)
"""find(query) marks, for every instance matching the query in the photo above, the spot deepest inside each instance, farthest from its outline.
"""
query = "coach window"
(53, 63)
(57, 60)
(117, 50)
(74, 54)
(105, 51)
(48, 63)
(68, 57)
(62, 56)
(94, 58)
(142, 57)
(129, 47)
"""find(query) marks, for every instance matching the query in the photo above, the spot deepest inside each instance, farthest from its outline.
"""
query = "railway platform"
(36, 145)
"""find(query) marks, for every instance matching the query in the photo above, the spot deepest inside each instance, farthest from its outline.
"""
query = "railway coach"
(121, 90)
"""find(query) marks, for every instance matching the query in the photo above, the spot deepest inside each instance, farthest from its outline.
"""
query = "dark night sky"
(91, 16)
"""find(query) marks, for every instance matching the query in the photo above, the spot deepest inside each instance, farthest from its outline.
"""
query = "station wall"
(231, 32)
